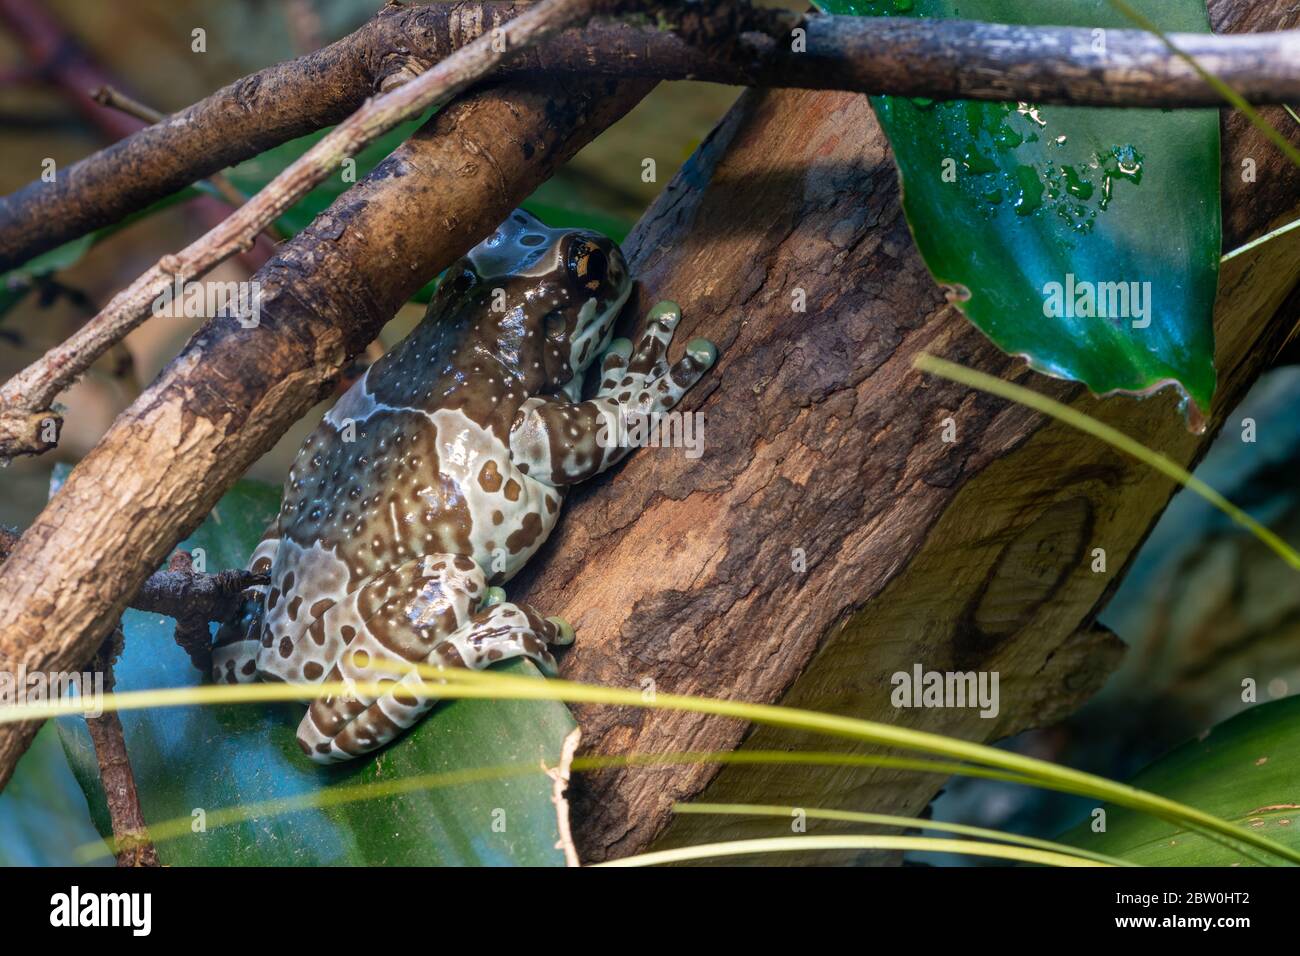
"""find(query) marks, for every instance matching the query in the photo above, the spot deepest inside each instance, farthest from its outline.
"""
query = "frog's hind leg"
(394, 619)
(496, 632)
(234, 652)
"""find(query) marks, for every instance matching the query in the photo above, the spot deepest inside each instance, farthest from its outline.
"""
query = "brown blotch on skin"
(272, 598)
(449, 654)
(373, 725)
(348, 632)
(513, 488)
(498, 517)
(294, 605)
(489, 478)
(312, 671)
(526, 535)
(320, 607)
(286, 647)
(287, 584)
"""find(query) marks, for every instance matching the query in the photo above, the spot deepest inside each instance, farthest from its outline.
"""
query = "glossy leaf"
(1038, 219)
(43, 815)
(205, 759)
(1244, 771)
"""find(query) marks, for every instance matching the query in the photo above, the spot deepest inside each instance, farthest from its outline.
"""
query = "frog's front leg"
(562, 443)
(401, 618)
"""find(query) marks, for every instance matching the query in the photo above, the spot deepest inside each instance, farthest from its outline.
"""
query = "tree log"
(233, 391)
(821, 436)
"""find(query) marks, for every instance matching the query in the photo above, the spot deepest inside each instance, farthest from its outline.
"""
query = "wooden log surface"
(820, 436)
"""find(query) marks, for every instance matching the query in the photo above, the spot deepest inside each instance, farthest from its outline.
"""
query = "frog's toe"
(493, 596)
(650, 358)
(619, 348)
(704, 352)
(613, 366)
(563, 636)
(666, 312)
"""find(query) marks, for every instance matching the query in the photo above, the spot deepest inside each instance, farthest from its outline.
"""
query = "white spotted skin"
(414, 463)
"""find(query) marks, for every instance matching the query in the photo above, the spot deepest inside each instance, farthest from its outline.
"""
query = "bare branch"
(26, 398)
(130, 835)
(115, 99)
(925, 58)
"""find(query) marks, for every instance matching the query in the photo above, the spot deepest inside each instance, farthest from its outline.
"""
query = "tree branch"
(115, 99)
(59, 59)
(28, 425)
(936, 59)
(192, 598)
(233, 391)
(130, 834)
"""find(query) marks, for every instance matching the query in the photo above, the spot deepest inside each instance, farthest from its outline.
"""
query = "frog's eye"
(588, 264)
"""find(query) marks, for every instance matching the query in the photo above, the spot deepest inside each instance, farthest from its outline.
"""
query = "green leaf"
(1244, 771)
(210, 758)
(43, 816)
(1034, 195)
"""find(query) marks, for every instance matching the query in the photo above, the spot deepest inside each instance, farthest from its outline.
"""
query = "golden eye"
(588, 264)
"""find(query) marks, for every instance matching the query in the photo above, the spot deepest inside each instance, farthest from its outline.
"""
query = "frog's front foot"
(340, 728)
(640, 380)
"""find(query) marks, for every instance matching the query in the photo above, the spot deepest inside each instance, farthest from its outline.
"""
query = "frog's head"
(566, 286)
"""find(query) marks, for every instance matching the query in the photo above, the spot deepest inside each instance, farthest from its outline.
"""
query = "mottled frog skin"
(439, 474)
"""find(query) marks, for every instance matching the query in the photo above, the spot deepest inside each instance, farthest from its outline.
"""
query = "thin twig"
(28, 425)
(130, 834)
(115, 99)
(180, 592)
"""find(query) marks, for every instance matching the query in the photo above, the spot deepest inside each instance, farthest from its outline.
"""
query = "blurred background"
(1203, 605)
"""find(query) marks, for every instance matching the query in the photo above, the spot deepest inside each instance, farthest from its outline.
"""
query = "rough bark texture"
(130, 832)
(822, 437)
(233, 391)
(878, 55)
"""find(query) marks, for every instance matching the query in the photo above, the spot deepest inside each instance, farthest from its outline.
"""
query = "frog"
(436, 477)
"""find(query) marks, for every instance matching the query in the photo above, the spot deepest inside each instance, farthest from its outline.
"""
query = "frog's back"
(406, 464)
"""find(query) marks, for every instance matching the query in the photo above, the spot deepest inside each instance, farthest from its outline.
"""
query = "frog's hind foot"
(234, 653)
(359, 725)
